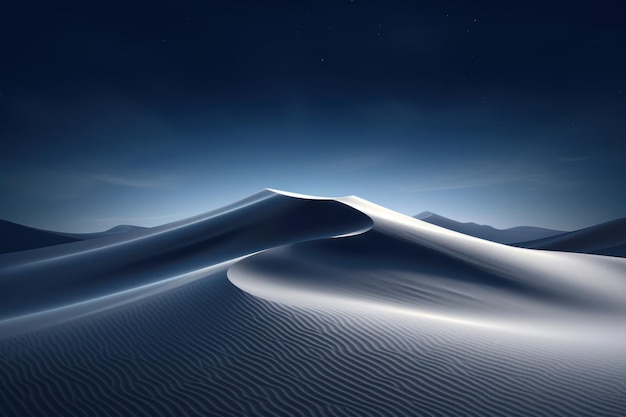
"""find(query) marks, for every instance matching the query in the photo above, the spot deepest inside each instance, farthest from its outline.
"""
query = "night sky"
(505, 113)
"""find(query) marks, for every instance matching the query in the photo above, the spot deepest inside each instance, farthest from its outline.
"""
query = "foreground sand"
(288, 305)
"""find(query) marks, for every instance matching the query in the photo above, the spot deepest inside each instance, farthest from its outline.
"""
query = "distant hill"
(15, 237)
(603, 239)
(508, 236)
(114, 231)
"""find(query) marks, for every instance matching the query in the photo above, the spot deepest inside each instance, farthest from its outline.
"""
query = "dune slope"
(15, 237)
(339, 307)
(49, 277)
(405, 263)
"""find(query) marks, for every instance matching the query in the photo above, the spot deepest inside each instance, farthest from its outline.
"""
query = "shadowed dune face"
(339, 307)
(31, 281)
(380, 270)
(403, 263)
(377, 267)
(314, 250)
(17, 238)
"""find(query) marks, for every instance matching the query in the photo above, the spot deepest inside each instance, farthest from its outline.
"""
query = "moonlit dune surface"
(290, 305)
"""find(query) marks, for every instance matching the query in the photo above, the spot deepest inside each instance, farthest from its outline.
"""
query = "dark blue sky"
(504, 113)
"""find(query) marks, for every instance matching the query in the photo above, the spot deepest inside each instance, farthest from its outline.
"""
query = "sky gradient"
(146, 112)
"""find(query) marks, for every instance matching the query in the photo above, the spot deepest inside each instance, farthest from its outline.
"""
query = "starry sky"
(137, 112)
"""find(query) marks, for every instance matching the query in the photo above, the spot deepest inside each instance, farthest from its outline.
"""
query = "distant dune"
(15, 237)
(114, 231)
(289, 305)
(512, 235)
(604, 239)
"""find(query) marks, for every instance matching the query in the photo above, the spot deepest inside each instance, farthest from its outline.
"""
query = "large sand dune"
(289, 305)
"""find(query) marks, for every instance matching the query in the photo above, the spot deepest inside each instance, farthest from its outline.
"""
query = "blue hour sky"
(505, 113)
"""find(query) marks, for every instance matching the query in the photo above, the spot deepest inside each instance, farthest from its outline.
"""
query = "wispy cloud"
(357, 163)
(64, 183)
(457, 182)
(363, 161)
(571, 158)
(157, 181)
(475, 176)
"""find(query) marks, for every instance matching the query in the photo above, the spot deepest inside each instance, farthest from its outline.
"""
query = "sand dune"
(604, 239)
(53, 276)
(404, 263)
(339, 307)
(118, 230)
(15, 238)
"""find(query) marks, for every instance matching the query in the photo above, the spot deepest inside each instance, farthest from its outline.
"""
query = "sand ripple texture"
(288, 305)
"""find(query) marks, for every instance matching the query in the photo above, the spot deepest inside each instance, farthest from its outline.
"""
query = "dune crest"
(409, 267)
(339, 307)
(48, 278)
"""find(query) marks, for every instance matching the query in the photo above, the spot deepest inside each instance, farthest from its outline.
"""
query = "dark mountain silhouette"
(512, 235)
(114, 231)
(603, 239)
